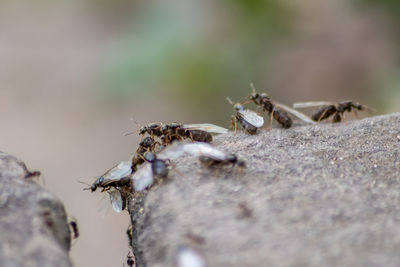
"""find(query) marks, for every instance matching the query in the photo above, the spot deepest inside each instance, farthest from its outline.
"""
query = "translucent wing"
(119, 171)
(204, 149)
(187, 257)
(252, 117)
(143, 177)
(172, 152)
(296, 113)
(116, 200)
(208, 127)
(312, 104)
(177, 150)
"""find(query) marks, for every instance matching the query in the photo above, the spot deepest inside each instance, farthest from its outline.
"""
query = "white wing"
(143, 178)
(252, 117)
(312, 104)
(177, 150)
(116, 200)
(121, 170)
(204, 149)
(208, 127)
(296, 113)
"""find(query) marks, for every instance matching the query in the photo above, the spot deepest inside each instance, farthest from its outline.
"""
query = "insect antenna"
(230, 101)
(138, 124)
(87, 188)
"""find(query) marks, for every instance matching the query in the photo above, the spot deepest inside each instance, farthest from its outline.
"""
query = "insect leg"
(322, 115)
(271, 116)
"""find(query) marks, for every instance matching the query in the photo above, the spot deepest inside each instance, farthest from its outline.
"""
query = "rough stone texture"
(33, 223)
(319, 195)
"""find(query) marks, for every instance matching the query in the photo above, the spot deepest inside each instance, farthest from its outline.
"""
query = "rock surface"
(319, 195)
(33, 223)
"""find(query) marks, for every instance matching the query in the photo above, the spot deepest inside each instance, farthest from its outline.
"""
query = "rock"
(314, 195)
(33, 223)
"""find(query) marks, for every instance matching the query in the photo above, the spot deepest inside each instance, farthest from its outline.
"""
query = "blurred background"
(74, 72)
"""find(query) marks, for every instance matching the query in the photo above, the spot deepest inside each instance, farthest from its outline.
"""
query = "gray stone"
(33, 223)
(311, 195)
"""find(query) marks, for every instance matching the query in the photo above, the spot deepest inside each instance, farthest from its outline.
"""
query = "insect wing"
(121, 170)
(312, 104)
(296, 113)
(204, 149)
(252, 117)
(208, 127)
(143, 178)
(116, 200)
(174, 151)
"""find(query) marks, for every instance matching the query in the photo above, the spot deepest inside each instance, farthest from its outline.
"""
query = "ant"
(329, 109)
(147, 144)
(276, 111)
(74, 227)
(249, 119)
(232, 159)
(130, 259)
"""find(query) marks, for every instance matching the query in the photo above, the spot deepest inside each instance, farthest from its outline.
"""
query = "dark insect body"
(130, 261)
(264, 101)
(229, 159)
(327, 109)
(147, 144)
(74, 227)
(159, 166)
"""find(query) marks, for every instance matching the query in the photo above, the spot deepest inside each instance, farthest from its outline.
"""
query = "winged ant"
(329, 109)
(249, 119)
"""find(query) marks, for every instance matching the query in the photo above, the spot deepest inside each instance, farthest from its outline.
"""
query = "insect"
(176, 131)
(73, 224)
(213, 161)
(130, 259)
(277, 111)
(249, 119)
(147, 144)
(112, 177)
(200, 132)
(329, 109)
(157, 165)
(144, 176)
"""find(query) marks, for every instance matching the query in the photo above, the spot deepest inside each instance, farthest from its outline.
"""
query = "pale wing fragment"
(208, 127)
(121, 170)
(252, 117)
(143, 177)
(188, 257)
(312, 104)
(296, 113)
(116, 200)
(204, 149)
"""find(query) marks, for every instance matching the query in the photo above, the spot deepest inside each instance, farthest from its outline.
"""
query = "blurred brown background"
(73, 73)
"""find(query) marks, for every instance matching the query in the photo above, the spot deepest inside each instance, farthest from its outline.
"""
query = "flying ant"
(112, 178)
(154, 167)
(328, 109)
(212, 160)
(177, 131)
(249, 119)
(130, 259)
(277, 111)
(73, 224)
(147, 144)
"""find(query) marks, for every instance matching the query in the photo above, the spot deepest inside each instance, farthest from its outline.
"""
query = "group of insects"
(251, 120)
(162, 143)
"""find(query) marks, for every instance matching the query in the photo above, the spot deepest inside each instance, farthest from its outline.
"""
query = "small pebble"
(398, 137)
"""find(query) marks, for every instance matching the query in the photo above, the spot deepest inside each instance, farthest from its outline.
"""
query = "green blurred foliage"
(200, 54)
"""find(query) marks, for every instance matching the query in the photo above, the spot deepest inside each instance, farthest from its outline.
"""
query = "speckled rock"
(314, 195)
(33, 223)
